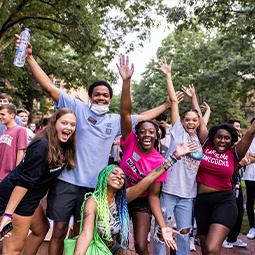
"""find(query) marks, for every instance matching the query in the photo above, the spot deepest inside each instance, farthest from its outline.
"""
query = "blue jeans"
(182, 208)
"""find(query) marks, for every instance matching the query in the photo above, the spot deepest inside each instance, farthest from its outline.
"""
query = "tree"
(72, 40)
(223, 72)
(232, 17)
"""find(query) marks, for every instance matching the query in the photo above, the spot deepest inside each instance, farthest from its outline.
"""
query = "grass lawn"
(245, 225)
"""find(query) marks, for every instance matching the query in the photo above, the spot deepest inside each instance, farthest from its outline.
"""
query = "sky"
(141, 56)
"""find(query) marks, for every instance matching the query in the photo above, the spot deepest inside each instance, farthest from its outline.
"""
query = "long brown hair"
(58, 149)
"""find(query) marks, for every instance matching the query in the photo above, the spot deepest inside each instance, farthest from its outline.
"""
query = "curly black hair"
(138, 125)
(230, 128)
(100, 83)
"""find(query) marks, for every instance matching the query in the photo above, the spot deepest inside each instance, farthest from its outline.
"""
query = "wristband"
(7, 215)
(170, 161)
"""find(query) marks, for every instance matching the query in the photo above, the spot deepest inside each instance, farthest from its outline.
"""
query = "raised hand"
(167, 234)
(124, 70)
(164, 67)
(183, 150)
(29, 48)
(205, 107)
(179, 95)
(190, 91)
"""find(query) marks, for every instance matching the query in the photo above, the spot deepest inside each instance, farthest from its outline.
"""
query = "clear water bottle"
(22, 50)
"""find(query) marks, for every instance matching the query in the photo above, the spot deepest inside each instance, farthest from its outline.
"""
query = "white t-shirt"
(181, 181)
(250, 169)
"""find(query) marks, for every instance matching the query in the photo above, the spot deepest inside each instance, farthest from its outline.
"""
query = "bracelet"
(7, 215)
(174, 156)
(164, 165)
(170, 162)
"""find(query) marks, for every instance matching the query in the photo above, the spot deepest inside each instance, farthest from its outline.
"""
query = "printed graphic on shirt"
(108, 128)
(132, 175)
(193, 159)
(217, 159)
(7, 139)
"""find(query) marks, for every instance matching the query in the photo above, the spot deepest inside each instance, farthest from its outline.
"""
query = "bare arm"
(202, 130)
(85, 237)
(207, 113)
(154, 202)
(20, 155)
(125, 101)
(136, 190)
(166, 69)
(17, 194)
(40, 75)
(251, 157)
(244, 144)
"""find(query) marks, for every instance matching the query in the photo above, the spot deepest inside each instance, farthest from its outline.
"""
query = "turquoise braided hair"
(100, 196)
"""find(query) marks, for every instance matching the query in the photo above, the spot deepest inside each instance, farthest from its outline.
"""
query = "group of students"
(65, 160)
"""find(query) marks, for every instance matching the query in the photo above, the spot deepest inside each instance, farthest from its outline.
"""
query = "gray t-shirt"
(181, 180)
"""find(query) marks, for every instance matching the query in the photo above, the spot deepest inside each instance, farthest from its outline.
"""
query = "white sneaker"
(251, 233)
(227, 245)
(192, 244)
(239, 243)
(149, 238)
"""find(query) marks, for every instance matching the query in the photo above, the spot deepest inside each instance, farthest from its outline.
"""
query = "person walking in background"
(165, 142)
(13, 140)
(7, 99)
(32, 127)
(23, 114)
(249, 178)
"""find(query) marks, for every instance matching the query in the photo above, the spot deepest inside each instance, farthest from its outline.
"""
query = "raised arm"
(207, 113)
(85, 237)
(136, 190)
(39, 74)
(244, 144)
(166, 69)
(202, 131)
(125, 101)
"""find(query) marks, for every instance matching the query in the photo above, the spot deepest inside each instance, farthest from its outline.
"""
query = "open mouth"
(65, 135)
(116, 181)
(147, 142)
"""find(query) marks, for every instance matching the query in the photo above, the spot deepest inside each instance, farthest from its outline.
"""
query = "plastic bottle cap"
(26, 29)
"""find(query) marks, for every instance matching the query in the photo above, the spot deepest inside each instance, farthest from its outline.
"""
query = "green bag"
(96, 247)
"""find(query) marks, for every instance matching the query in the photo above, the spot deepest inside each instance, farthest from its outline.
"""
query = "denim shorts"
(140, 204)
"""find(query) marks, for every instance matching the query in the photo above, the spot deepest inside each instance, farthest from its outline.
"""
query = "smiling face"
(116, 178)
(222, 140)
(146, 136)
(65, 127)
(24, 118)
(6, 117)
(190, 122)
(100, 95)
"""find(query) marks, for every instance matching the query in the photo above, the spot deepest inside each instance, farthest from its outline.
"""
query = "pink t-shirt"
(11, 140)
(137, 165)
(216, 169)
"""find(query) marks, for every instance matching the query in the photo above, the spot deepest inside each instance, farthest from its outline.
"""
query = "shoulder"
(39, 145)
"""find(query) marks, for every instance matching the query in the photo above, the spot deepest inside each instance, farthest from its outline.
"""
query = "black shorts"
(140, 204)
(215, 207)
(64, 200)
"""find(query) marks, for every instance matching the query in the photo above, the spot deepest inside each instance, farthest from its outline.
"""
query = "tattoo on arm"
(86, 214)
(159, 168)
